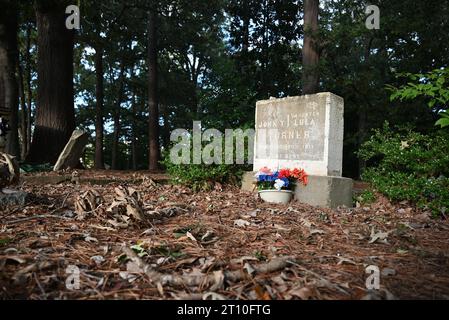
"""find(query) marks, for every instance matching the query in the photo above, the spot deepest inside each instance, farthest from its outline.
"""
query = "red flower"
(284, 173)
(296, 173)
(300, 175)
(265, 170)
(305, 179)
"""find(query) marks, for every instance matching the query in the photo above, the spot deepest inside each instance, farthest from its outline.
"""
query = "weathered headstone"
(305, 132)
(9, 176)
(9, 197)
(70, 156)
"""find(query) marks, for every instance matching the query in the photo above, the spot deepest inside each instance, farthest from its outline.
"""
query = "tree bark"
(134, 133)
(55, 116)
(99, 91)
(29, 93)
(310, 54)
(116, 117)
(153, 121)
(23, 114)
(8, 67)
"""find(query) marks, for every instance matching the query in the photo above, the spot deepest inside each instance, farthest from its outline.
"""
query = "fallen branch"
(41, 216)
(214, 281)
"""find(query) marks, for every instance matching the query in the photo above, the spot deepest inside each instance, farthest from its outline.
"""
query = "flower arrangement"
(283, 179)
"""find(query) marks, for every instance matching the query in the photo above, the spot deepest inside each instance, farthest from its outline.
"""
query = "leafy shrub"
(203, 176)
(366, 197)
(406, 165)
(434, 86)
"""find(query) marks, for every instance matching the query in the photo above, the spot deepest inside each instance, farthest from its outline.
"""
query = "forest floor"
(134, 238)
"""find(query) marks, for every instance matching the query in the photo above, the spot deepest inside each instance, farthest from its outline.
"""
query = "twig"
(39, 284)
(40, 216)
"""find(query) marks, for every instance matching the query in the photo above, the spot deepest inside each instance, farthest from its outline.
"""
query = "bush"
(406, 165)
(434, 86)
(202, 177)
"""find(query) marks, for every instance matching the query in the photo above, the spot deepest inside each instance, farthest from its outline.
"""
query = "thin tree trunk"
(310, 55)
(265, 45)
(29, 93)
(55, 115)
(153, 121)
(166, 129)
(99, 161)
(23, 114)
(134, 133)
(116, 117)
(245, 40)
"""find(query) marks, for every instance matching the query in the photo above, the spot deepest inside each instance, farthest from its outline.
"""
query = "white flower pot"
(276, 196)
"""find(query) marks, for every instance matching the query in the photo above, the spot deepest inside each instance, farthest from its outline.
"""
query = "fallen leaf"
(97, 259)
(90, 239)
(379, 236)
(249, 268)
(190, 236)
(342, 260)
(15, 259)
(207, 235)
(218, 280)
(388, 272)
(213, 296)
(241, 223)
(303, 293)
(243, 259)
(281, 228)
(316, 231)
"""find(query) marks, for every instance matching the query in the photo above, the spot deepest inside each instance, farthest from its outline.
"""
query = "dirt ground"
(133, 237)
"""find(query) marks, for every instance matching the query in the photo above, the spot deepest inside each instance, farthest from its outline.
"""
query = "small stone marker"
(9, 197)
(72, 152)
(304, 132)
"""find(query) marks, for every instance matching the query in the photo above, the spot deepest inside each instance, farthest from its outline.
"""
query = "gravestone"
(305, 132)
(70, 156)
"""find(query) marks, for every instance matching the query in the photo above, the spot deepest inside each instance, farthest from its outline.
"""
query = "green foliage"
(260, 255)
(366, 197)
(201, 177)
(4, 242)
(168, 251)
(406, 165)
(141, 252)
(434, 86)
(36, 167)
(444, 121)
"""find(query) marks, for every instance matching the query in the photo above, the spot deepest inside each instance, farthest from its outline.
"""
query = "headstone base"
(321, 191)
(10, 197)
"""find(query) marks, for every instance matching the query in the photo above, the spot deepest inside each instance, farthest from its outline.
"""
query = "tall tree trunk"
(99, 161)
(153, 121)
(8, 67)
(55, 116)
(116, 117)
(23, 114)
(310, 54)
(29, 93)
(134, 133)
(362, 117)
(265, 54)
(245, 41)
(165, 134)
